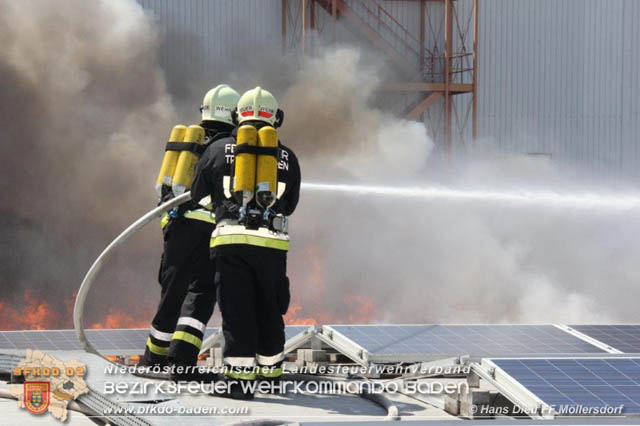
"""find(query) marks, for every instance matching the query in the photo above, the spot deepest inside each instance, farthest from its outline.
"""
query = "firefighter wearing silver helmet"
(186, 230)
(254, 182)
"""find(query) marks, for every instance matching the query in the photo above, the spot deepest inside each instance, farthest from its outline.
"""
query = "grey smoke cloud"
(82, 113)
(441, 261)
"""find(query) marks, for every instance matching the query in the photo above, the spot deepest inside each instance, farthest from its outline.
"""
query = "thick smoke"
(333, 125)
(439, 261)
(84, 111)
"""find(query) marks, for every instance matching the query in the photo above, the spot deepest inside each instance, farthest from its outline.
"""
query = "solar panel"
(417, 342)
(625, 338)
(130, 340)
(586, 384)
(293, 330)
(133, 339)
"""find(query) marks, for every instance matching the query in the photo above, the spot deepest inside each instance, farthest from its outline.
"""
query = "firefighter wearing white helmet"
(185, 261)
(218, 104)
(259, 105)
(254, 182)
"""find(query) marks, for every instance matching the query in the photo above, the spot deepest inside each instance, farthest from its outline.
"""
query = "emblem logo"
(36, 396)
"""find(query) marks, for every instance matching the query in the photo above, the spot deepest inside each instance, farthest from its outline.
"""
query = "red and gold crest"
(36, 396)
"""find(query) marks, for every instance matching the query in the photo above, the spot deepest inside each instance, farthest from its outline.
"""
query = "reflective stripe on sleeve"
(164, 220)
(158, 350)
(160, 335)
(206, 202)
(188, 337)
(270, 360)
(226, 184)
(192, 322)
(282, 186)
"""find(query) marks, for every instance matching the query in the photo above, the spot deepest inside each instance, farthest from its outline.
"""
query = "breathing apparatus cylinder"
(244, 177)
(187, 160)
(169, 161)
(267, 168)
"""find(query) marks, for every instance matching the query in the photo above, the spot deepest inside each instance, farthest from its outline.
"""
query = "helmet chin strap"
(279, 118)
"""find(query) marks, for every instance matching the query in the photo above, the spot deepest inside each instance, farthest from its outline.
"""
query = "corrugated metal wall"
(203, 39)
(194, 30)
(561, 77)
(556, 76)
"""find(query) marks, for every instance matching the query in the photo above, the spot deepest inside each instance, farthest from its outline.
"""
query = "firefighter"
(254, 182)
(186, 231)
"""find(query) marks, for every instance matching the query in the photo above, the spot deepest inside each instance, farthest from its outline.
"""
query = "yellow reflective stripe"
(158, 350)
(241, 375)
(164, 220)
(202, 215)
(188, 337)
(270, 372)
(251, 240)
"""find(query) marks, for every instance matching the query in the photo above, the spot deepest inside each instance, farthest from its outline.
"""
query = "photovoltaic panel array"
(133, 339)
(584, 383)
(413, 342)
(42, 340)
(625, 338)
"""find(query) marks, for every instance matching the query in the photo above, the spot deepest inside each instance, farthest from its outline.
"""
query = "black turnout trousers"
(195, 314)
(185, 263)
(253, 294)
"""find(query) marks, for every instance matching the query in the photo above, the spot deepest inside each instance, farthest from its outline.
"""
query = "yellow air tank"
(169, 161)
(244, 178)
(187, 161)
(267, 168)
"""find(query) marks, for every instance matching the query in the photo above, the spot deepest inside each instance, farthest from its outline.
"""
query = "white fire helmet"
(218, 104)
(259, 104)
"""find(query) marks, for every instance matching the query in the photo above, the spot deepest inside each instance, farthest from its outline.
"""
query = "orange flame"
(321, 307)
(34, 315)
(314, 304)
(292, 318)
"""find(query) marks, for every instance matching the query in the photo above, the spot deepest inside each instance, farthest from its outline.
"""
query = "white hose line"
(78, 309)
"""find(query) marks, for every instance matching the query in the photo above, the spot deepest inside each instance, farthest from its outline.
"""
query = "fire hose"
(90, 277)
